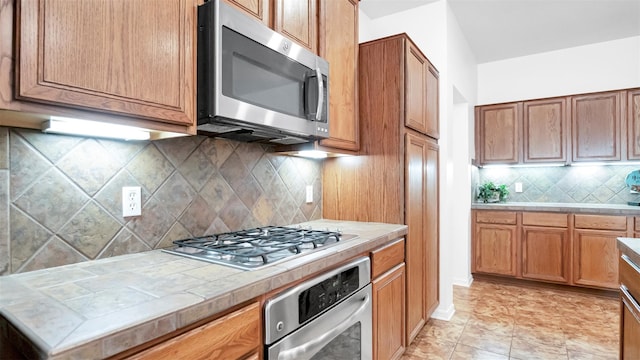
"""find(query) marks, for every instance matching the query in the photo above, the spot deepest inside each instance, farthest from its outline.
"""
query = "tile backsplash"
(567, 184)
(60, 196)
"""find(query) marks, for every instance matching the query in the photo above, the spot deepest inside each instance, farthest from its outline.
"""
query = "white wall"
(435, 31)
(462, 86)
(597, 67)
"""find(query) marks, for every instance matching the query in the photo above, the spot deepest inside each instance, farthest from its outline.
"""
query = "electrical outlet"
(309, 194)
(518, 187)
(131, 201)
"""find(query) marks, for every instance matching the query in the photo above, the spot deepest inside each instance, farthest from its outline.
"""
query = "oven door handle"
(317, 344)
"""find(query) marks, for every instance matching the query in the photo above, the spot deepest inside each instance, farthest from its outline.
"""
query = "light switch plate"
(309, 194)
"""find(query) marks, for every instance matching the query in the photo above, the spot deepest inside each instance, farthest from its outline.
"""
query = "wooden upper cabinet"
(633, 119)
(338, 27)
(416, 69)
(499, 127)
(545, 130)
(433, 103)
(596, 123)
(259, 9)
(133, 58)
(297, 20)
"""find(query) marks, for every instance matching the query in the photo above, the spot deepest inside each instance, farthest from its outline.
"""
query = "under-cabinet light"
(613, 163)
(313, 154)
(494, 166)
(69, 126)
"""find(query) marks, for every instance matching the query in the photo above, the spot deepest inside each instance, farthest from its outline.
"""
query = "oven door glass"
(343, 332)
(344, 346)
(260, 76)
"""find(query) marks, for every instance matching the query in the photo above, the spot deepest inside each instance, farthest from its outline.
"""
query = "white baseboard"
(444, 314)
(466, 282)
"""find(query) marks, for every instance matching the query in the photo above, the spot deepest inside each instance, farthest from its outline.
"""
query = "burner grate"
(248, 249)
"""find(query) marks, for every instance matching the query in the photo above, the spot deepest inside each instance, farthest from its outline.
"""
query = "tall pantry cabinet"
(395, 177)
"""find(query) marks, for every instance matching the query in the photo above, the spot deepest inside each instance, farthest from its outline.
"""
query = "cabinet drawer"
(496, 217)
(230, 337)
(545, 219)
(386, 257)
(630, 276)
(601, 222)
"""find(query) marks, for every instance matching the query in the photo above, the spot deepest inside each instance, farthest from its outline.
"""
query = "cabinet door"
(546, 254)
(595, 258)
(630, 327)
(433, 102)
(432, 244)
(494, 249)
(633, 117)
(125, 57)
(545, 130)
(415, 78)
(388, 314)
(499, 129)
(339, 46)
(415, 205)
(595, 126)
(259, 9)
(297, 20)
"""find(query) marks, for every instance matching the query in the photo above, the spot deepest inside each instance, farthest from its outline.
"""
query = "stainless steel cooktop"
(255, 248)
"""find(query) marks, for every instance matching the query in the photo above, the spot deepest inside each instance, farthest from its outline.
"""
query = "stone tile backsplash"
(568, 184)
(60, 196)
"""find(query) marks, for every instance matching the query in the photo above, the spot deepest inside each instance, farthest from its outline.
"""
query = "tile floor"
(499, 321)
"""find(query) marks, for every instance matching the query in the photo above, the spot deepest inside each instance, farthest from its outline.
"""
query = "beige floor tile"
(492, 340)
(498, 321)
(444, 330)
(429, 348)
(464, 352)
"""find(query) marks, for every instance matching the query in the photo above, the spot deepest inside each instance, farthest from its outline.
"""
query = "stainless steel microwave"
(256, 85)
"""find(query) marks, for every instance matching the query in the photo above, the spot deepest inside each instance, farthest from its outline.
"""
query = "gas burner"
(253, 248)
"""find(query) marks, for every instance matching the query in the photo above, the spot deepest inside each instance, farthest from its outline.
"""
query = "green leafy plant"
(489, 192)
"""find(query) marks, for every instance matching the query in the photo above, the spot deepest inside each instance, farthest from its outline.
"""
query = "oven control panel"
(314, 298)
(327, 293)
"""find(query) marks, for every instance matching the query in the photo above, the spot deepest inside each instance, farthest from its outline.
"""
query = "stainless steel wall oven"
(327, 317)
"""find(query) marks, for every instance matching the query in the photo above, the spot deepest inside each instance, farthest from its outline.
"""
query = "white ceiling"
(502, 29)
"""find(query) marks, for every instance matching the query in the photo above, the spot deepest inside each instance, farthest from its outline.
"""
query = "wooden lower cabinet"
(494, 249)
(234, 336)
(595, 257)
(388, 314)
(388, 272)
(630, 329)
(629, 307)
(572, 249)
(546, 254)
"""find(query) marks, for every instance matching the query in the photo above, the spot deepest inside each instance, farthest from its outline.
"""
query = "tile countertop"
(99, 308)
(578, 208)
(631, 248)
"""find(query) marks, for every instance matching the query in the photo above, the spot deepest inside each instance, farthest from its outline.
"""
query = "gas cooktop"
(255, 248)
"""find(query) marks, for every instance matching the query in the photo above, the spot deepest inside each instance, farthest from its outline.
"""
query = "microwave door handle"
(317, 344)
(320, 95)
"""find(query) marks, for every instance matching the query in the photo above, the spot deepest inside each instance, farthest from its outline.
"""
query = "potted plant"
(489, 192)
